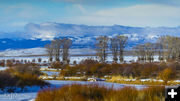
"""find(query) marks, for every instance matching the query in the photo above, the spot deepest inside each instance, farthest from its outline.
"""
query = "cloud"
(90, 2)
(81, 8)
(23, 10)
(167, 2)
(15, 17)
(139, 15)
(44, 31)
(16, 24)
(79, 1)
(95, 2)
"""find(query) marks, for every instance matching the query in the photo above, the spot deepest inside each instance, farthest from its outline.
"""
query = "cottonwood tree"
(145, 52)
(66, 44)
(150, 50)
(122, 43)
(140, 52)
(160, 48)
(171, 48)
(49, 50)
(57, 43)
(102, 47)
(114, 48)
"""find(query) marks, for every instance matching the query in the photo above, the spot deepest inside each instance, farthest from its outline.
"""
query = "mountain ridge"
(83, 36)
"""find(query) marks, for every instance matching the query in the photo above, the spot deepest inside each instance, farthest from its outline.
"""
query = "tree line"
(167, 48)
(59, 48)
(116, 45)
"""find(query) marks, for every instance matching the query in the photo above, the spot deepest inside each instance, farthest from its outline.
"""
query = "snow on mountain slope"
(49, 30)
(83, 36)
(42, 51)
(21, 52)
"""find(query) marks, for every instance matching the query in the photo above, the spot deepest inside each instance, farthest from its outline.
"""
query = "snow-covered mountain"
(83, 36)
(42, 51)
(50, 30)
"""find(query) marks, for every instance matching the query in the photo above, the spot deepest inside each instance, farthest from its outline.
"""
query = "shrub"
(57, 65)
(125, 94)
(20, 76)
(33, 60)
(9, 63)
(69, 71)
(88, 62)
(74, 93)
(39, 60)
(149, 70)
(9, 81)
(25, 61)
(153, 94)
(91, 92)
(167, 74)
(31, 68)
(91, 67)
(2, 63)
(75, 62)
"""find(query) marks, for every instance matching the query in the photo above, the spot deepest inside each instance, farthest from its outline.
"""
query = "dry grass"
(130, 80)
(77, 92)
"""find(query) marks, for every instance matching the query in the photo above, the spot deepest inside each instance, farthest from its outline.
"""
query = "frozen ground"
(51, 73)
(31, 92)
(72, 58)
(76, 54)
(2, 68)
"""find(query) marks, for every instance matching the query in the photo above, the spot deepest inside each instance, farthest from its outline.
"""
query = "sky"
(15, 14)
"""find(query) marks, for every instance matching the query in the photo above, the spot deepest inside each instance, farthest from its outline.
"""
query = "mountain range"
(83, 36)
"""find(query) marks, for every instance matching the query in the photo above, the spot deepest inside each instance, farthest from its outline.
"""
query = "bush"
(91, 67)
(30, 68)
(57, 65)
(20, 76)
(9, 63)
(74, 93)
(153, 94)
(77, 92)
(7, 80)
(167, 74)
(33, 60)
(2, 63)
(125, 94)
(39, 60)
(88, 62)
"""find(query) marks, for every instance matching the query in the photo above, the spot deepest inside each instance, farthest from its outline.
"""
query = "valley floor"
(31, 92)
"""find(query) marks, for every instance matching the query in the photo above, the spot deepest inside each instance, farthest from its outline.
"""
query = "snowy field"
(73, 58)
(76, 54)
(51, 73)
(42, 51)
(31, 92)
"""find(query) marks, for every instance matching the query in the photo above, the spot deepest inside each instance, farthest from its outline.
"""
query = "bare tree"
(49, 50)
(114, 49)
(102, 47)
(145, 52)
(140, 52)
(66, 44)
(57, 43)
(122, 43)
(150, 51)
(172, 48)
(160, 48)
